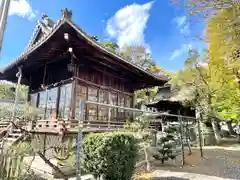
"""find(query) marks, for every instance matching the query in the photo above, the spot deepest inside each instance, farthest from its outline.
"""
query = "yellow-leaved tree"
(224, 61)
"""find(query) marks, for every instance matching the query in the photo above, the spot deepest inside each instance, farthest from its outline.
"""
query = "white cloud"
(179, 52)
(21, 8)
(128, 24)
(185, 29)
(182, 24)
(180, 20)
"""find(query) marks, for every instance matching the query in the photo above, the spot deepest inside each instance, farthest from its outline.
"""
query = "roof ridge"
(40, 26)
(28, 49)
(115, 54)
(35, 31)
(67, 18)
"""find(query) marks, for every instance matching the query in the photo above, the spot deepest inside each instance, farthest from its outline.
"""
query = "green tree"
(110, 46)
(7, 91)
(140, 130)
(196, 87)
(222, 34)
(207, 8)
(138, 55)
(167, 145)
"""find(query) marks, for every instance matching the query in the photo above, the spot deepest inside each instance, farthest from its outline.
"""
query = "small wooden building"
(167, 103)
(62, 65)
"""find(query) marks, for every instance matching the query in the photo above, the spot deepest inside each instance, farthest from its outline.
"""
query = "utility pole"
(5, 4)
(79, 140)
(1, 8)
(19, 76)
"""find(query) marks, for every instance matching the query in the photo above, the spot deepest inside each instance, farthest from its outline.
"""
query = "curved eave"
(38, 44)
(33, 48)
(114, 55)
(163, 101)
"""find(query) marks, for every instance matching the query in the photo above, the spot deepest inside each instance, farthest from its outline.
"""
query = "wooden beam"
(88, 54)
(101, 86)
(115, 69)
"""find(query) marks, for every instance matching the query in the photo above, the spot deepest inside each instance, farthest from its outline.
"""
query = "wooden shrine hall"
(63, 66)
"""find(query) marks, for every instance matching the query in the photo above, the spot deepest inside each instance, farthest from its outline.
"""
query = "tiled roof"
(48, 32)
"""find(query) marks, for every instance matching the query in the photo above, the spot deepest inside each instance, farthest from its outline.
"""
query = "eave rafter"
(38, 51)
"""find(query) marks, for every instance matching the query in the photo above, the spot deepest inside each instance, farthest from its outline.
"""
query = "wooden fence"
(11, 166)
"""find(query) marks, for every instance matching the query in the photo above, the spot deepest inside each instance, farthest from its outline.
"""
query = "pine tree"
(167, 145)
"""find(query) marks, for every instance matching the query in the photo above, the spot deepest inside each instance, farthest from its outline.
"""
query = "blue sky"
(163, 28)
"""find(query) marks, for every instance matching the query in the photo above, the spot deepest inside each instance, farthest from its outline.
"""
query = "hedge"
(111, 155)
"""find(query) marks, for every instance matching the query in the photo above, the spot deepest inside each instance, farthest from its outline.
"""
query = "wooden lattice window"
(113, 98)
(51, 112)
(128, 101)
(92, 112)
(121, 102)
(34, 99)
(92, 94)
(65, 101)
(42, 104)
(103, 96)
(128, 104)
(81, 95)
(103, 113)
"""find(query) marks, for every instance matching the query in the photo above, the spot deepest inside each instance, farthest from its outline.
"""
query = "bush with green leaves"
(111, 155)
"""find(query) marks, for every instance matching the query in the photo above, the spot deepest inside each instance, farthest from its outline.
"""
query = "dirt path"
(220, 163)
(168, 175)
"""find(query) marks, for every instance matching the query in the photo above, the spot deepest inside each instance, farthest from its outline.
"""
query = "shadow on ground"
(168, 178)
(220, 163)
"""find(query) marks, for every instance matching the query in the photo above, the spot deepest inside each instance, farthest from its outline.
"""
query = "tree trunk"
(52, 165)
(146, 159)
(230, 128)
(214, 123)
(216, 131)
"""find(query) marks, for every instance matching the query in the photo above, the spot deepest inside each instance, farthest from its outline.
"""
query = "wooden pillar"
(74, 70)
(44, 143)
(181, 138)
(45, 110)
(29, 89)
(86, 106)
(73, 98)
(118, 98)
(125, 105)
(58, 101)
(98, 99)
(198, 119)
(109, 109)
(43, 86)
(132, 105)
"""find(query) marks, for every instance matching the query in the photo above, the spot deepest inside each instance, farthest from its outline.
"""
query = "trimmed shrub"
(111, 155)
(166, 146)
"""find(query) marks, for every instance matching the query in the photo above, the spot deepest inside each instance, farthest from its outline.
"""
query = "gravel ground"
(220, 163)
(160, 175)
